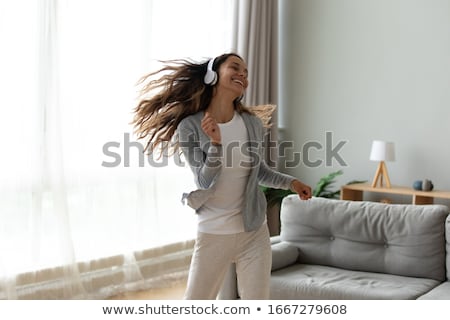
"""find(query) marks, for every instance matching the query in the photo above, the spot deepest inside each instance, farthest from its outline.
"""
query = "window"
(74, 184)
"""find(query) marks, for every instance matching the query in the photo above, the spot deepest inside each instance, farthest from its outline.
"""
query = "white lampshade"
(382, 151)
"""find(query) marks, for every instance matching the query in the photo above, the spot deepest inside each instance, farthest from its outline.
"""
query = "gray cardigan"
(205, 161)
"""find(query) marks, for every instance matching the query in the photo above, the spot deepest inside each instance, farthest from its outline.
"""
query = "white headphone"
(210, 76)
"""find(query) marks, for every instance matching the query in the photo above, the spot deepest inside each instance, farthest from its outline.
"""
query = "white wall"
(365, 70)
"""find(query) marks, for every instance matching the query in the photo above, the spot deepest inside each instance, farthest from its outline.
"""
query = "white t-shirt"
(221, 214)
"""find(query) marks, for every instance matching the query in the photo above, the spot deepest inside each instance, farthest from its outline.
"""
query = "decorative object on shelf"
(382, 151)
(417, 185)
(425, 185)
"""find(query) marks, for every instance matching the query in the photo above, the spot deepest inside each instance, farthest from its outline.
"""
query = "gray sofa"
(337, 249)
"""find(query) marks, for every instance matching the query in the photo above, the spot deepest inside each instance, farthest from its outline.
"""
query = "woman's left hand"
(303, 190)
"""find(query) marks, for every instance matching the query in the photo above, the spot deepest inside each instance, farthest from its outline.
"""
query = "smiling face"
(233, 76)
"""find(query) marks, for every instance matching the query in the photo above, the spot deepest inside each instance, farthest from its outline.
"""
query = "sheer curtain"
(83, 213)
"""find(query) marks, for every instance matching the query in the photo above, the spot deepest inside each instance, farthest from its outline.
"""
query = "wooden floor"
(174, 292)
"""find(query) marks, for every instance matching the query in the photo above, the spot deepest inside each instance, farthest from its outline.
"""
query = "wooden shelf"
(355, 192)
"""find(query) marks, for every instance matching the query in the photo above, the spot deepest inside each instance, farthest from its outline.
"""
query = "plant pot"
(273, 219)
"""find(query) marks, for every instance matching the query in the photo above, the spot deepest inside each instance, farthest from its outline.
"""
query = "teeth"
(239, 81)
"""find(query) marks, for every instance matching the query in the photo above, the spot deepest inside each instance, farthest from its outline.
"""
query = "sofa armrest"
(441, 292)
(283, 255)
(275, 239)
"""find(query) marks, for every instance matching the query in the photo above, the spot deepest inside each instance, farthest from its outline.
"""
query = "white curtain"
(83, 214)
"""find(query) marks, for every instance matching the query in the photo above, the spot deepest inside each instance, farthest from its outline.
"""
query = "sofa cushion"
(310, 282)
(283, 255)
(407, 240)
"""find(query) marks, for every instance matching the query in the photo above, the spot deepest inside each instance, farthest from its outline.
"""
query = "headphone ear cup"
(214, 78)
(210, 76)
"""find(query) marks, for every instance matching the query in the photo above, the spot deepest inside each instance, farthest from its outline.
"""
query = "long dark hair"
(171, 94)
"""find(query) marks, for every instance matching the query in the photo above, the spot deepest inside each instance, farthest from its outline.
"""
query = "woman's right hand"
(211, 129)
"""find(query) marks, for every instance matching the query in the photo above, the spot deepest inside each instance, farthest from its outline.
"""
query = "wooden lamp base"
(379, 174)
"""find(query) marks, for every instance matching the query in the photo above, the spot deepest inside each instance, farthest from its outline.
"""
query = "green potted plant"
(275, 196)
(322, 188)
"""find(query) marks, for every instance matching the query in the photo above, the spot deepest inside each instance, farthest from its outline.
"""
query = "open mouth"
(239, 82)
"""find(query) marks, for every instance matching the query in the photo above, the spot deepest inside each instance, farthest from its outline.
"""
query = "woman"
(222, 143)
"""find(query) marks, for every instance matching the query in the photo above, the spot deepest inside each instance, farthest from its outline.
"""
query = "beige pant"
(213, 255)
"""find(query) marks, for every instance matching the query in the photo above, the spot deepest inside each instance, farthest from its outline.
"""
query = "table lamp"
(382, 151)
